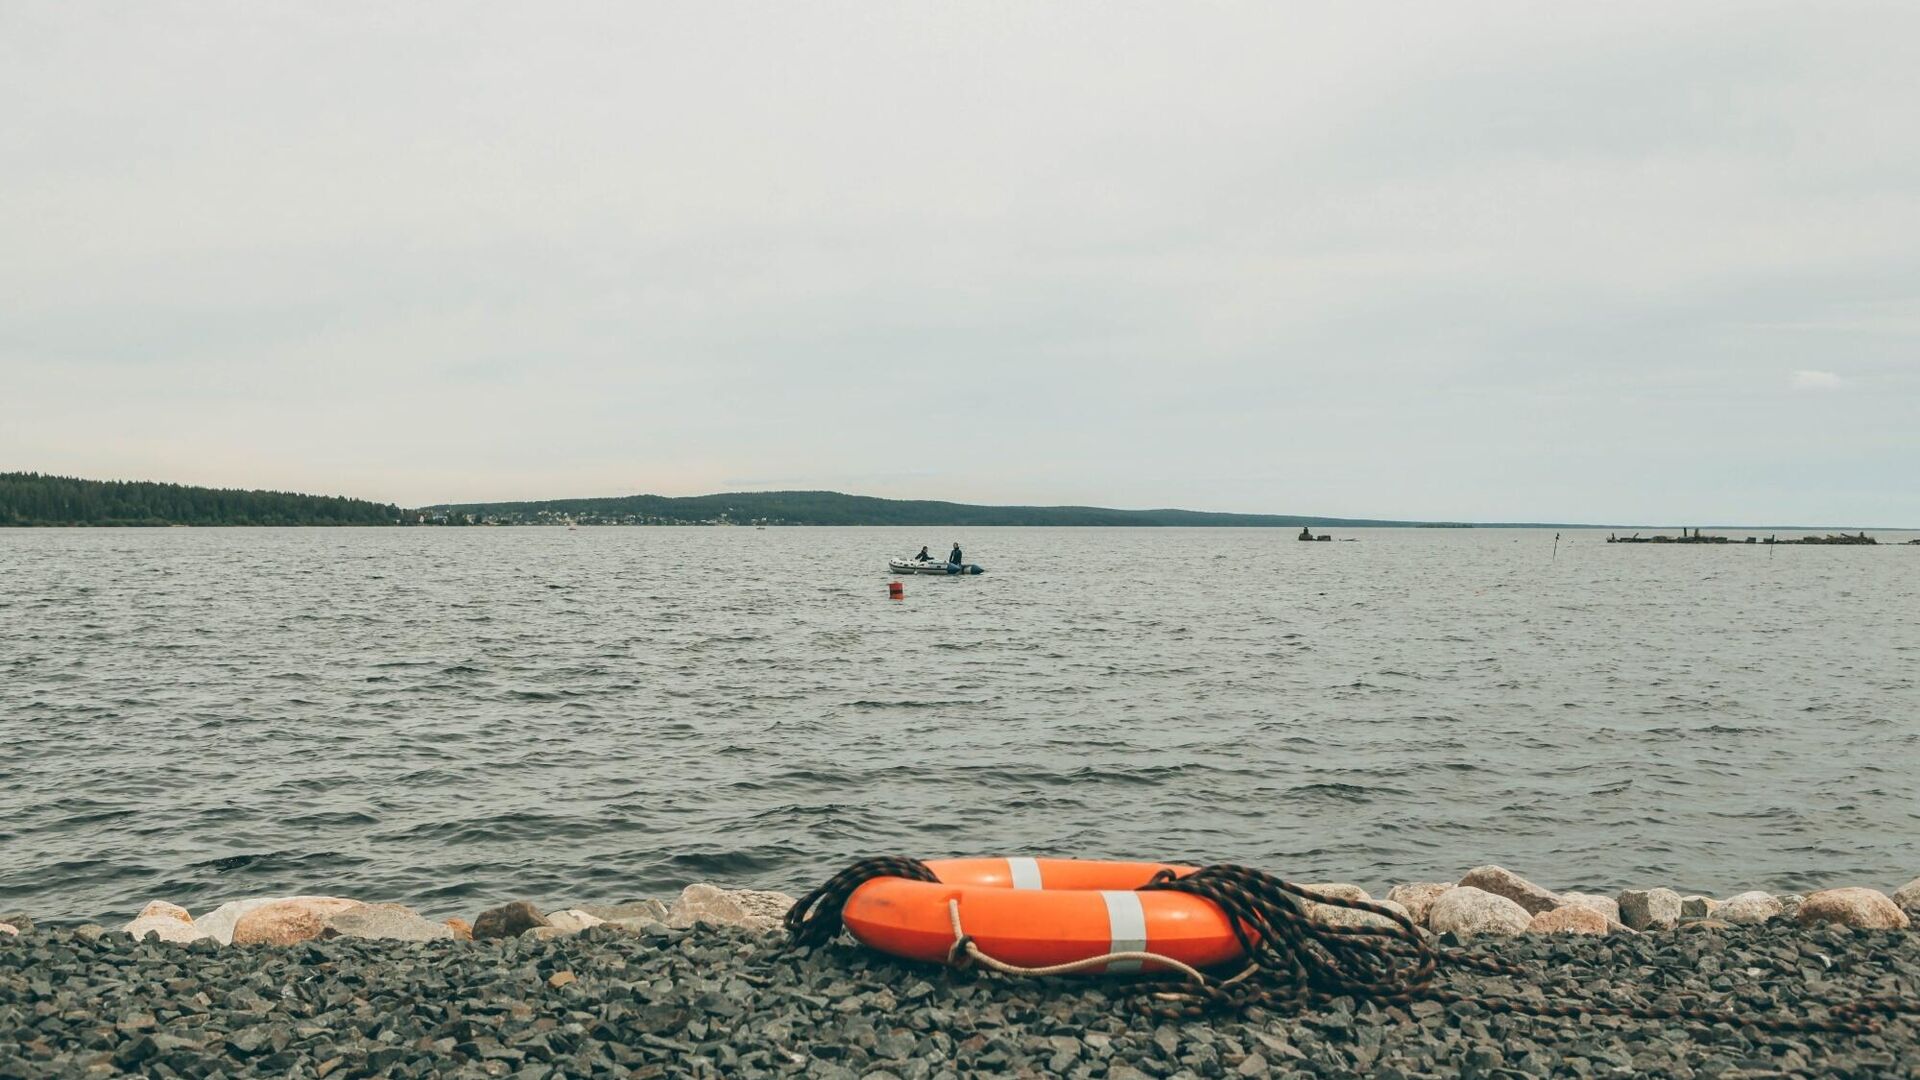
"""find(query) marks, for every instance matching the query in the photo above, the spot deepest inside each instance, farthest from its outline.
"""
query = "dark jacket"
(954, 556)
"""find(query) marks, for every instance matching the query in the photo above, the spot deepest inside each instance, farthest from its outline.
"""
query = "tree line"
(34, 499)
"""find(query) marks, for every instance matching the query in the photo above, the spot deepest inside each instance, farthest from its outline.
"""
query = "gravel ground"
(715, 1002)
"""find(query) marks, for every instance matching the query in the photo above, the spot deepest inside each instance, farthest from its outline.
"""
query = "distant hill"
(33, 499)
(834, 508)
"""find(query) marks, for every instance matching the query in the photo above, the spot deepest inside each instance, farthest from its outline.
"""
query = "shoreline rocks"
(1908, 897)
(507, 921)
(1649, 909)
(1466, 911)
(1501, 881)
(754, 909)
(1858, 909)
(289, 921)
(726, 1002)
(1571, 919)
(1418, 898)
(1751, 909)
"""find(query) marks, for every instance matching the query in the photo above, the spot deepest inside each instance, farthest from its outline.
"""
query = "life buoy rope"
(1294, 961)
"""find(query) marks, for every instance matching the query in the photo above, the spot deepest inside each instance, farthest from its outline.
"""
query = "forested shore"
(29, 499)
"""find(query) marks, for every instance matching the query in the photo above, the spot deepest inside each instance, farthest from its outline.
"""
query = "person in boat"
(954, 555)
(923, 556)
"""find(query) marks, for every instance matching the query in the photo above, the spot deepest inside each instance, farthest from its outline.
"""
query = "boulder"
(1605, 905)
(1650, 909)
(9, 930)
(1417, 897)
(635, 924)
(219, 923)
(1861, 909)
(462, 929)
(89, 931)
(168, 922)
(289, 921)
(1339, 890)
(1790, 905)
(1571, 919)
(631, 909)
(754, 909)
(1500, 881)
(1698, 907)
(507, 920)
(572, 920)
(160, 909)
(19, 920)
(1468, 911)
(385, 922)
(1335, 915)
(1750, 909)
(164, 927)
(1906, 896)
(1706, 924)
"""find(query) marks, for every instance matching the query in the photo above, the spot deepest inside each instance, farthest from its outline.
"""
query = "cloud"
(1498, 260)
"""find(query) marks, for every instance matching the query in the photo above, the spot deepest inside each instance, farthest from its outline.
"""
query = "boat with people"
(932, 566)
(925, 563)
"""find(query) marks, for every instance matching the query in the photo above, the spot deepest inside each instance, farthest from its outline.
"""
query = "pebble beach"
(708, 986)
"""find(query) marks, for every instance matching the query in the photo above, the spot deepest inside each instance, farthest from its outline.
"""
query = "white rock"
(168, 922)
(755, 909)
(9, 930)
(572, 920)
(1417, 897)
(1750, 909)
(1908, 897)
(164, 927)
(1500, 881)
(1469, 912)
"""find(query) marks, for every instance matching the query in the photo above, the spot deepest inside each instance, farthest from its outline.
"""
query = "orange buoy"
(1041, 912)
(896, 591)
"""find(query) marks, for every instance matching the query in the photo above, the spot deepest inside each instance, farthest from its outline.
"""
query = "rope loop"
(814, 919)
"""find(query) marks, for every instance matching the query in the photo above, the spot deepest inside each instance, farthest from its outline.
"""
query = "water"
(448, 717)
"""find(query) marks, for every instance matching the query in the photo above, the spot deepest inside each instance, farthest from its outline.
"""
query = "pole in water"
(896, 591)
(1556, 548)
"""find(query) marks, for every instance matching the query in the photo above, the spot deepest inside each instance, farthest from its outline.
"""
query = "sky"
(1623, 262)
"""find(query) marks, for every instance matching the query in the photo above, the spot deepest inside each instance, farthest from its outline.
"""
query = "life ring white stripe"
(1025, 873)
(1126, 927)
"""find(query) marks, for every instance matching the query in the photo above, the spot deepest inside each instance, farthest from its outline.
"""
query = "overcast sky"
(1590, 262)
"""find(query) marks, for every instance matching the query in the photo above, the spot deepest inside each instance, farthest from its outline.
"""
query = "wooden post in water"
(1556, 548)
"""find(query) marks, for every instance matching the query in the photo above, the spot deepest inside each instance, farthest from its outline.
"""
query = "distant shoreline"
(33, 500)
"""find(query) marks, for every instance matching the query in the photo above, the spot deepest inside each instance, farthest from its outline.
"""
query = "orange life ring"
(1041, 912)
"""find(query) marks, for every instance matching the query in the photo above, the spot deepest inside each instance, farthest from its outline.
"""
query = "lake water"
(450, 717)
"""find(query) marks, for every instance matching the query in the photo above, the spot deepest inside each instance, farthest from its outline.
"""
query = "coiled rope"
(1294, 961)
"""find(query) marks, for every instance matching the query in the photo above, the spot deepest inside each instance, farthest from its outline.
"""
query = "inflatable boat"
(929, 566)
